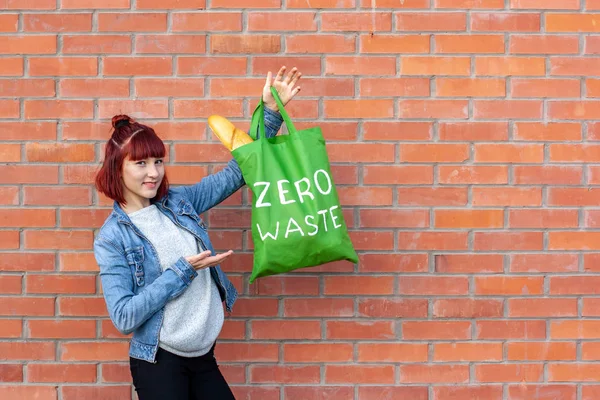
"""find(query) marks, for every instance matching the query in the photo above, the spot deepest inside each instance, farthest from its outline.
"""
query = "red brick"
(504, 66)
(393, 263)
(509, 22)
(434, 374)
(422, 65)
(432, 241)
(13, 217)
(433, 109)
(509, 286)
(359, 374)
(28, 44)
(479, 392)
(138, 66)
(544, 351)
(543, 392)
(543, 219)
(81, 373)
(393, 175)
(536, 44)
(54, 239)
(26, 88)
(466, 308)
(509, 373)
(278, 21)
(477, 44)
(82, 306)
(27, 306)
(431, 196)
(320, 44)
(14, 392)
(116, 373)
(318, 392)
(60, 283)
(544, 263)
(436, 286)
(453, 174)
(472, 352)
(396, 352)
(436, 330)
(356, 21)
(317, 352)
(57, 22)
(285, 374)
(244, 44)
(87, 4)
(392, 308)
(95, 392)
(304, 307)
(10, 284)
(350, 330)
(94, 351)
(172, 4)
(12, 66)
(542, 307)
(255, 352)
(58, 109)
(206, 21)
(62, 329)
(100, 44)
(11, 328)
(474, 4)
(445, 22)
(462, 87)
(33, 351)
(93, 88)
(11, 373)
(506, 329)
(285, 329)
(355, 285)
(469, 263)
(577, 373)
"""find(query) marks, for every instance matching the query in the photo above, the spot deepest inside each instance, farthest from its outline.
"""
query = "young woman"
(160, 275)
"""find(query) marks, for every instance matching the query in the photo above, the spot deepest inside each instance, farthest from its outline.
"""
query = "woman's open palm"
(286, 87)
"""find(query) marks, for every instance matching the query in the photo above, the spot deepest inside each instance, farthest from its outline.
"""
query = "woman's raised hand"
(205, 259)
(286, 87)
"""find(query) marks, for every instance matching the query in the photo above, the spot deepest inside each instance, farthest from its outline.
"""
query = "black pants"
(179, 378)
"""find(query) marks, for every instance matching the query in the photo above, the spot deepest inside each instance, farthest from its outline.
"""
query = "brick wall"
(464, 141)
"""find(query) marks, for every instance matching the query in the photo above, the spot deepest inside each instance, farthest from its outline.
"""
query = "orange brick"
(508, 241)
(356, 21)
(453, 174)
(457, 87)
(100, 44)
(57, 22)
(164, 44)
(475, 4)
(320, 44)
(244, 44)
(278, 21)
(535, 44)
(61, 373)
(466, 308)
(345, 65)
(472, 352)
(34, 44)
(206, 21)
(390, 44)
(469, 44)
(509, 22)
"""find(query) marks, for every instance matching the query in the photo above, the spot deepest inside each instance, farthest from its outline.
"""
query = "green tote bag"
(297, 219)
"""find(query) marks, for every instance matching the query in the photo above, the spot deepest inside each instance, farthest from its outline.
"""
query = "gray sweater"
(193, 321)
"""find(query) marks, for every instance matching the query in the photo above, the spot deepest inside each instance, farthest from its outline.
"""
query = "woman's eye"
(159, 161)
(141, 163)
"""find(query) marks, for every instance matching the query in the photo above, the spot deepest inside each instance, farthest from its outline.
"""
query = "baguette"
(228, 134)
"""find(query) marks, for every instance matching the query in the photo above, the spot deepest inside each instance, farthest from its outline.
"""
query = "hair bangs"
(144, 143)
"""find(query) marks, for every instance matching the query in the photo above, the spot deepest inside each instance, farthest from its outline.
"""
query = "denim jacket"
(134, 285)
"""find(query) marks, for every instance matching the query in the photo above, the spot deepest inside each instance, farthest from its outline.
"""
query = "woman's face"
(141, 180)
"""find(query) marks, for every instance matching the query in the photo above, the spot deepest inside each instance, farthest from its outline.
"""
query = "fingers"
(280, 73)
(291, 75)
(269, 79)
(295, 79)
(205, 260)
(295, 91)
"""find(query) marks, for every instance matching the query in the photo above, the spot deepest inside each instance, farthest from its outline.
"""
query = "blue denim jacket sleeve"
(128, 310)
(215, 188)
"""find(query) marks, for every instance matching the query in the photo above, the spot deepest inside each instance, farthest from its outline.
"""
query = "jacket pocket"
(135, 259)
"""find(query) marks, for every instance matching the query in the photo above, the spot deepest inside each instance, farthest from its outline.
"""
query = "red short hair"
(131, 140)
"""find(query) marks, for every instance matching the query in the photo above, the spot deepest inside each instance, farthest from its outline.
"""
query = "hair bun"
(121, 120)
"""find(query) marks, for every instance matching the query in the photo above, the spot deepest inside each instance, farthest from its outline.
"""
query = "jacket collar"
(182, 207)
